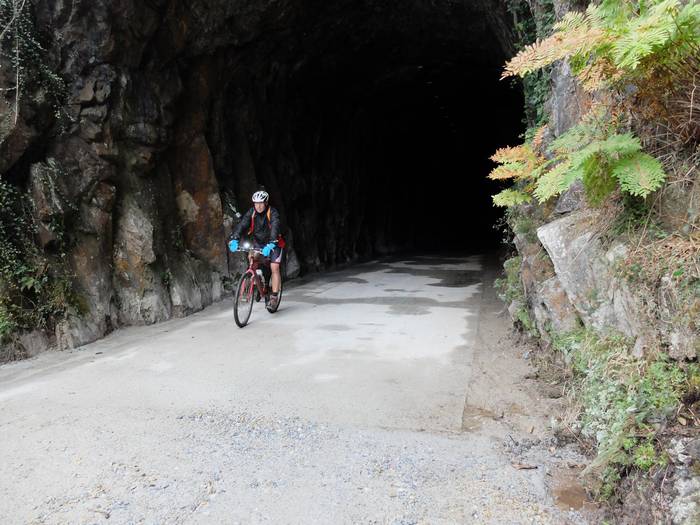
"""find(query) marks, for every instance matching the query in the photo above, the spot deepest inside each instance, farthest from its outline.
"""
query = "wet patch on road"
(447, 278)
(568, 490)
(437, 261)
(409, 309)
(354, 280)
(427, 302)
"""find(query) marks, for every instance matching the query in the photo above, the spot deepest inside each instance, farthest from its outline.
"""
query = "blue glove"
(233, 245)
(267, 250)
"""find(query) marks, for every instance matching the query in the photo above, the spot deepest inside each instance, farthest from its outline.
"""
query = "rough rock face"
(685, 456)
(177, 110)
(587, 274)
(553, 309)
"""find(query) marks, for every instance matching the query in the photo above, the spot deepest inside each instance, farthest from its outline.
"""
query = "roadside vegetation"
(634, 149)
(35, 285)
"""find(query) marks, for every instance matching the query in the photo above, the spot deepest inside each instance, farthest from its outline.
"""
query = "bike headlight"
(246, 245)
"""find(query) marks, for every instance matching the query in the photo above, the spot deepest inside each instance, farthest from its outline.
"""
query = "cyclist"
(263, 222)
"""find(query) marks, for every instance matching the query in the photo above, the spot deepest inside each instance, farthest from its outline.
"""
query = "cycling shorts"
(276, 255)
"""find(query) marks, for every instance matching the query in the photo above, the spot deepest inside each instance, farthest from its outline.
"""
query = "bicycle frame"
(255, 262)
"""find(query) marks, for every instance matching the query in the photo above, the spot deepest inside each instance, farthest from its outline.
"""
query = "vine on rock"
(24, 65)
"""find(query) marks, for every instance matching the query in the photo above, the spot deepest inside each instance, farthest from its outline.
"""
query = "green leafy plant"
(591, 152)
(510, 290)
(627, 49)
(603, 163)
(530, 22)
(619, 397)
(35, 291)
(615, 39)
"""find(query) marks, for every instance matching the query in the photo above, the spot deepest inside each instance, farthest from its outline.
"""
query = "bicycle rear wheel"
(243, 301)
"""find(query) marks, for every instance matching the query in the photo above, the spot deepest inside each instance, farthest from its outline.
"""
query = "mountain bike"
(252, 287)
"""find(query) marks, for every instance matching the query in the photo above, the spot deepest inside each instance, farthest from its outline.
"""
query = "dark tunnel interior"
(391, 122)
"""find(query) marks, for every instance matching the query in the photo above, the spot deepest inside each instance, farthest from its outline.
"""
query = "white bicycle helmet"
(260, 196)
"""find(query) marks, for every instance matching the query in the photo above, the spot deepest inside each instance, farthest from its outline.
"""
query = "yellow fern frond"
(519, 162)
(598, 74)
(507, 171)
(538, 139)
(556, 47)
(512, 154)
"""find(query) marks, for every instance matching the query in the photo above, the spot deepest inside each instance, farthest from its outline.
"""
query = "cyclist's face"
(260, 206)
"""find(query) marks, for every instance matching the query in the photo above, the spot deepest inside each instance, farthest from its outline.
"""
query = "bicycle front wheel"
(243, 301)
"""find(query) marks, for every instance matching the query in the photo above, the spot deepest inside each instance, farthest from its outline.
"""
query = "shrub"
(592, 152)
(621, 400)
(35, 291)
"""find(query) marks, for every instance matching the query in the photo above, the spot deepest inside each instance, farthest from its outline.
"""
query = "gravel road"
(355, 403)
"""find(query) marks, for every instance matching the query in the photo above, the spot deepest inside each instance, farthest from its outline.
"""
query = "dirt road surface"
(384, 393)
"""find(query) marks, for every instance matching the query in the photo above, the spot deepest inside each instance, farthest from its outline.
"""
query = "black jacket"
(265, 231)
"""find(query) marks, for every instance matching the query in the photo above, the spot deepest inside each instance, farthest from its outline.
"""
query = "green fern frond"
(639, 174)
(688, 18)
(571, 21)
(645, 34)
(580, 159)
(554, 182)
(619, 145)
(609, 13)
(511, 197)
(573, 140)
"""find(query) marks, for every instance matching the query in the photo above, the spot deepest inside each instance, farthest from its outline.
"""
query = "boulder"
(685, 505)
(75, 331)
(552, 308)
(193, 286)
(292, 267)
(587, 273)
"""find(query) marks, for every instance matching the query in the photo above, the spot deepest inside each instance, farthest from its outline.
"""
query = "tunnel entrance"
(371, 127)
(370, 122)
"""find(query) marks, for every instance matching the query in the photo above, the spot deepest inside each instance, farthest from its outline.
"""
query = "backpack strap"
(252, 224)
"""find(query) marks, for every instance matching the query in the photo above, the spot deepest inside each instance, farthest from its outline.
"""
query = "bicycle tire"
(243, 302)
